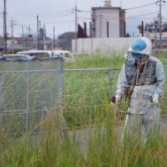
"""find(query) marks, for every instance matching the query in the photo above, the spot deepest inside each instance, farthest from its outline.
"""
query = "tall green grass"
(85, 91)
(98, 144)
(56, 146)
(96, 61)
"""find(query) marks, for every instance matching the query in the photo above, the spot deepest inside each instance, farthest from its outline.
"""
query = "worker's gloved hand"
(155, 99)
(118, 98)
(115, 99)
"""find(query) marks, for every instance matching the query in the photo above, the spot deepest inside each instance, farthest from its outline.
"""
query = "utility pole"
(44, 35)
(40, 35)
(155, 40)
(76, 28)
(23, 36)
(142, 28)
(29, 29)
(124, 28)
(12, 25)
(5, 35)
(38, 31)
(54, 37)
(160, 22)
(29, 36)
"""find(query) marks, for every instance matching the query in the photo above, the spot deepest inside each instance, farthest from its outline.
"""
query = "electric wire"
(120, 9)
(119, 18)
(72, 9)
(48, 14)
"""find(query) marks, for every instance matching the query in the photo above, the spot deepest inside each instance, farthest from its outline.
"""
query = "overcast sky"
(60, 13)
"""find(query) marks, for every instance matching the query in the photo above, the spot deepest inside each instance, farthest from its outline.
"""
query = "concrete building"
(108, 21)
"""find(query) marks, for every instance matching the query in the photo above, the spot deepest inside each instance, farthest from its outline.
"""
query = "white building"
(108, 21)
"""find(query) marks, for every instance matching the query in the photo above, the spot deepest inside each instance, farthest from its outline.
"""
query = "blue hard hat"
(137, 46)
(140, 47)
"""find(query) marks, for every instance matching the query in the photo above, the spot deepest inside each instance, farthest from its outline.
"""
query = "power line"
(67, 10)
(73, 9)
(110, 17)
(119, 18)
(51, 23)
(64, 14)
(50, 17)
(48, 14)
(120, 9)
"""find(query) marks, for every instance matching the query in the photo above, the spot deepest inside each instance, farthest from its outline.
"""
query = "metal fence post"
(1, 107)
(27, 102)
(110, 81)
(61, 86)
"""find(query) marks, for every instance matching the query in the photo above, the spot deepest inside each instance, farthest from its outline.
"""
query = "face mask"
(138, 56)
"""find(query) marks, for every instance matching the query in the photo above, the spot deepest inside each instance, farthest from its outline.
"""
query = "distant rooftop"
(67, 35)
(107, 5)
(10, 35)
(104, 7)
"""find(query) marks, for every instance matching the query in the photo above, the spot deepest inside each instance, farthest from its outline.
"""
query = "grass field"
(86, 104)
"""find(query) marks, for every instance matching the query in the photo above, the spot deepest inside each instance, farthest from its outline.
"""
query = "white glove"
(155, 99)
(117, 99)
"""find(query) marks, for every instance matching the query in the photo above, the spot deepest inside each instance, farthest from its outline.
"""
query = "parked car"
(11, 57)
(66, 55)
(39, 53)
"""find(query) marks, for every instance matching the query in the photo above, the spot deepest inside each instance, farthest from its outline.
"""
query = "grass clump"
(99, 145)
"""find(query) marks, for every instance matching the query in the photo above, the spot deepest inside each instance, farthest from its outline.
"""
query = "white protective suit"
(144, 110)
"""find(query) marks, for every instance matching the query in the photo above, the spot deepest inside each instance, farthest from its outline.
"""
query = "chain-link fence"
(28, 91)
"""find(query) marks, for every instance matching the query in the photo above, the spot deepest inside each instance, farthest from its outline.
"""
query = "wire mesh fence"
(28, 91)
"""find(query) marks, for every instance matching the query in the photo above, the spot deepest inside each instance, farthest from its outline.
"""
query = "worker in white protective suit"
(142, 81)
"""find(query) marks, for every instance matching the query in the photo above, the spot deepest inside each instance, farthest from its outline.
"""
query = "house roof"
(104, 8)
(10, 35)
(67, 35)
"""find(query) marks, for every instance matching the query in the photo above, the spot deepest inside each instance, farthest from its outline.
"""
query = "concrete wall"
(153, 35)
(102, 45)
